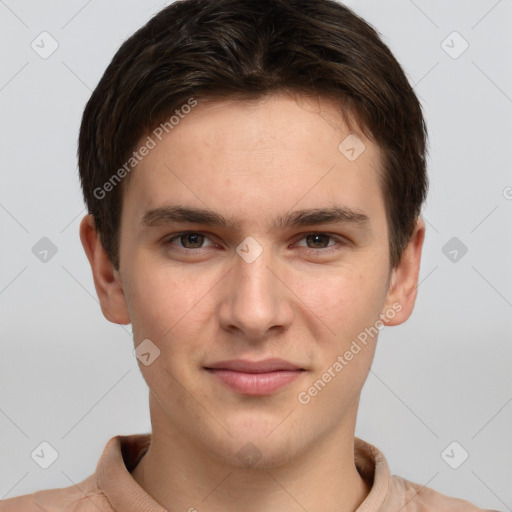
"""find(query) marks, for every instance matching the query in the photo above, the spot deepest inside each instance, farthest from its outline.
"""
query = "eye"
(321, 242)
(195, 241)
(190, 240)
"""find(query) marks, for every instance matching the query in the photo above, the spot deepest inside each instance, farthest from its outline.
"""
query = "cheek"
(171, 313)
(349, 305)
(154, 289)
(166, 307)
(345, 300)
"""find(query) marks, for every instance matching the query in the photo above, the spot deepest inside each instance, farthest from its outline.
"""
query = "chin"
(257, 443)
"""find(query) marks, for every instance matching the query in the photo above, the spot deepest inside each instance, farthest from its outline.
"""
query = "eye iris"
(196, 240)
(316, 239)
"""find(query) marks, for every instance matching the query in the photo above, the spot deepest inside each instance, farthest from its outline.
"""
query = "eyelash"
(325, 250)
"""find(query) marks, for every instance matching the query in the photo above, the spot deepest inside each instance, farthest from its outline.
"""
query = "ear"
(107, 280)
(404, 280)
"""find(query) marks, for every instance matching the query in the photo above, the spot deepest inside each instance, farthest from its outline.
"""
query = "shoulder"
(414, 497)
(82, 497)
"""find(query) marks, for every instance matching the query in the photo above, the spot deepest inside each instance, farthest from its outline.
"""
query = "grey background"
(69, 377)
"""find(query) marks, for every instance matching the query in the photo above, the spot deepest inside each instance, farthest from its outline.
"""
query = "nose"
(256, 299)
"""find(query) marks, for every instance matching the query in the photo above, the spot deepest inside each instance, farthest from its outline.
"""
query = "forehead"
(251, 158)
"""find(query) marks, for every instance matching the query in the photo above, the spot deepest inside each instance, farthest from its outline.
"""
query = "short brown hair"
(247, 49)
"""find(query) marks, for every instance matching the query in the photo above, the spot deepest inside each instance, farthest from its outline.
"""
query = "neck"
(182, 475)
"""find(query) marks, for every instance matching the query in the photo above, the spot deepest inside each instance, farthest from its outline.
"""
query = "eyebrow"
(308, 217)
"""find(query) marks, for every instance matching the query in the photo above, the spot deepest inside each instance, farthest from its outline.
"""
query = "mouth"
(255, 378)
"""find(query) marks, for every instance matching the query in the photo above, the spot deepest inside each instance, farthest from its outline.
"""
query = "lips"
(265, 366)
(255, 377)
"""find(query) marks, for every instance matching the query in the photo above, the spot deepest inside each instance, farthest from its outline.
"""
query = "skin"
(253, 161)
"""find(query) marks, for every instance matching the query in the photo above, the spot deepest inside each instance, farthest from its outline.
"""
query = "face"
(266, 311)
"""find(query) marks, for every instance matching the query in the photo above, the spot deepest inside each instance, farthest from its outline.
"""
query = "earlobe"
(404, 280)
(106, 279)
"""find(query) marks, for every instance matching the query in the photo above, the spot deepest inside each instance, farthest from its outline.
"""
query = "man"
(254, 174)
